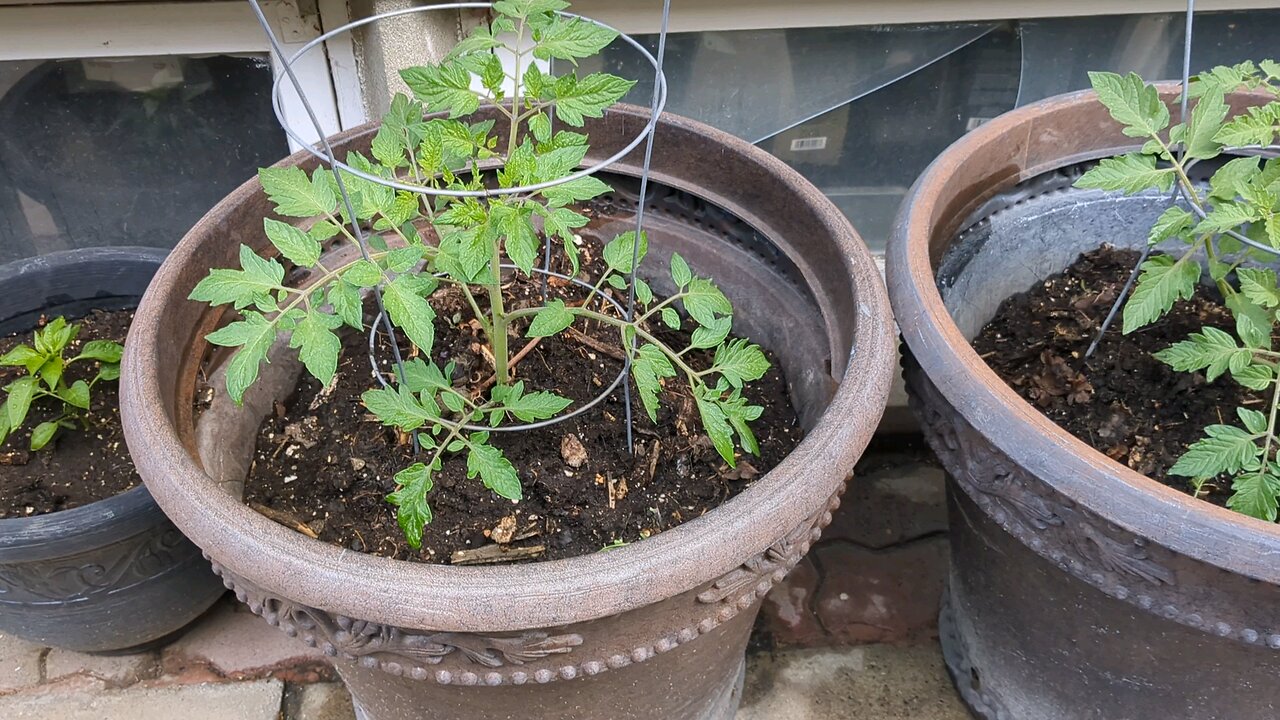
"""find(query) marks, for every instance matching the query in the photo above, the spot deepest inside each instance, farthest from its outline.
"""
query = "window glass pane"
(756, 83)
(860, 111)
(1060, 52)
(126, 151)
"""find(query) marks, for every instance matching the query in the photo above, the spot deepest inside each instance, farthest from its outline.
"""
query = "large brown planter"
(1078, 588)
(656, 629)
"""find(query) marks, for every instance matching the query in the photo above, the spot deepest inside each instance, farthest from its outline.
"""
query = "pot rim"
(544, 594)
(1122, 496)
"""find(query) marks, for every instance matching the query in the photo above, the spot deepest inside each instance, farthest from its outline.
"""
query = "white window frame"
(328, 75)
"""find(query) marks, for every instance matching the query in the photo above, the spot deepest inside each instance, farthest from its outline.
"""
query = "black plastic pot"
(114, 574)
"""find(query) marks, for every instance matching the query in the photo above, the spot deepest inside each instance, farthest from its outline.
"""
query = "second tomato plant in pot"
(1113, 494)
(370, 496)
(87, 560)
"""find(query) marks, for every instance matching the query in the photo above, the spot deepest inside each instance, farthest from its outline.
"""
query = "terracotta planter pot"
(655, 629)
(1079, 588)
(116, 573)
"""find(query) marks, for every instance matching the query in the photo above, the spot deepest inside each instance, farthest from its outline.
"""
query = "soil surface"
(78, 467)
(324, 465)
(1122, 401)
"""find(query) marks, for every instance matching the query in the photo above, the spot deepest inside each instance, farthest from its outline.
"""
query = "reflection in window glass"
(860, 111)
(126, 151)
(1060, 52)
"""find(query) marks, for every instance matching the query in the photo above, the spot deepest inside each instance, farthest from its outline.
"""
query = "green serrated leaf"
(410, 312)
(562, 222)
(319, 345)
(442, 88)
(1225, 449)
(324, 230)
(559, 162)
(540, 127)
(1131, 102)
(497, 473)
(740, 414)
(421, 376)
(403, 259)
(345, 299)
(571, 39)
(1254, 421)
(1206, 119)
(680, 273)
(739, 361)
(1259, 286)
(1229, 179)
(478, 42)
(716, 424)
(644, 293)
(1173, 222)
(1131, 174)
(253, 335)
(1162, 283)
(1255, 127)
(518, 9)
(648, 367)
(1255, 377)
(577, 99)
(711, 334)
(452, 401)
(534, 406)
(579, 190)
(705, 302)
(1253, 323)
(519, 238)
(620, 252)
(300, 248)
(296, 195)
(1211, 350)
(245, 287)
(396, 407)
(362, 273)
(671, 318)
(1226, 216)
(410, 498)
(1255, 494)
(552, 319)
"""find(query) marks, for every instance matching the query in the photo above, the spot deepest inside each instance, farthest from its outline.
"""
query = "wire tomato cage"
(324, 151)
(1179, 191)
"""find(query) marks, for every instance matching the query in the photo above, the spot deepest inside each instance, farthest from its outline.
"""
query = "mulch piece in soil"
(1121, 400)
(78, 467)
(324, 465)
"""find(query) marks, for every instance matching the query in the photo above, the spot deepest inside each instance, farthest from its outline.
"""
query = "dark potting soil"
(80, 466)
(1121, 400)
(324, 465)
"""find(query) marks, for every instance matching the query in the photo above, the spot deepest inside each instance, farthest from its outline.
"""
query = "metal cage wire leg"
(1146, 251)
(332, 160)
